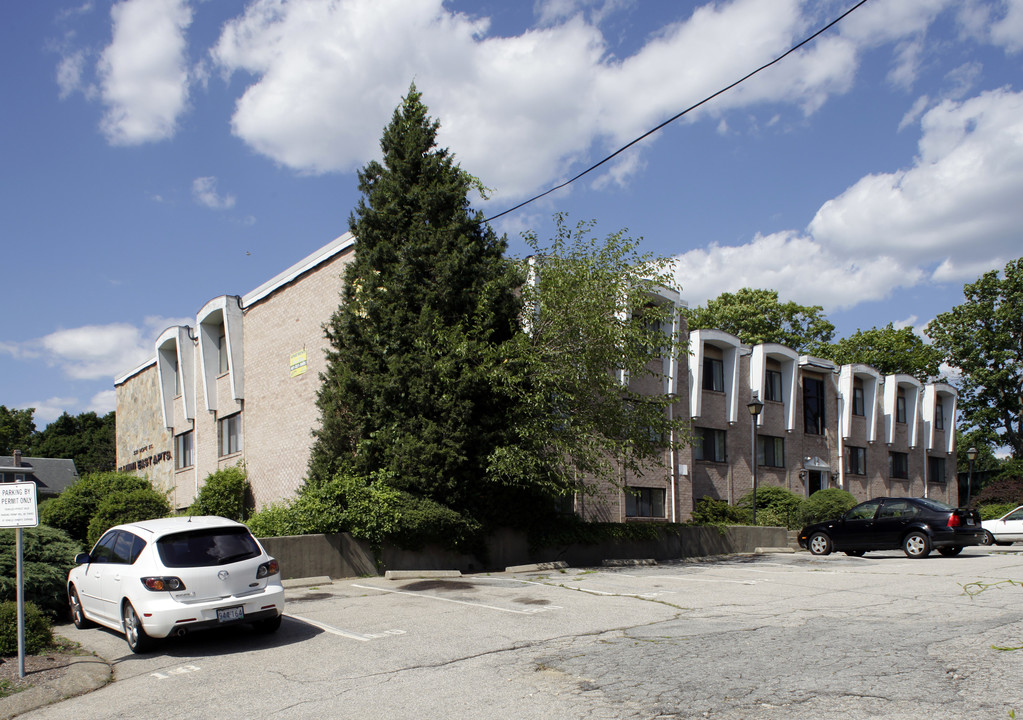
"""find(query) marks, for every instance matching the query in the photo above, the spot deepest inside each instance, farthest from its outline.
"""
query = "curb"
(537, 567)
(769, 550)
(413, 574)
(306, 582)
(84, 674)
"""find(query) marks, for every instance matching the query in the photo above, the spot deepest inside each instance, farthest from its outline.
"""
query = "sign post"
(19, 509)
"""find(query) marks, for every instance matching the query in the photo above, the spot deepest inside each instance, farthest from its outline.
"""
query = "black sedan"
(916, 525)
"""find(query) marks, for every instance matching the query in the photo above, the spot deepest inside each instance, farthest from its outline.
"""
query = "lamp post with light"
(971, 454)
(755, 406)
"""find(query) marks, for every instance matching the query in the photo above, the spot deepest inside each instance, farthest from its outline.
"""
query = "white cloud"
(103, 402)
(69, 73)
(143, 72)
(92, 352)
(524, 110)
(48, 410)
(1008, 31)
(801, 269)
(204, 191)
(958, 204)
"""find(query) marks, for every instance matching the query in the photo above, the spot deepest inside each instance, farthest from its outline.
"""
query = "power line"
(689, 109)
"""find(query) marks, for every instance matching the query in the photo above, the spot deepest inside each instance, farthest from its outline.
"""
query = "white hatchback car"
(156, 578)
(1004, 530)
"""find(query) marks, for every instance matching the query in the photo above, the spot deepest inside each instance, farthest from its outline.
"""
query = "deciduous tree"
(757, 316)
(983, 338)
(887, 350)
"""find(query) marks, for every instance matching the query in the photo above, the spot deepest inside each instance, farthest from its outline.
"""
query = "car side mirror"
(82, 558)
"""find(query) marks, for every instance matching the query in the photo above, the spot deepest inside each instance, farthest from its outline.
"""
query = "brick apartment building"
(240, 386)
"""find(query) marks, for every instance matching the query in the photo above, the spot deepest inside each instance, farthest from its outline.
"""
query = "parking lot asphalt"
(768, 636)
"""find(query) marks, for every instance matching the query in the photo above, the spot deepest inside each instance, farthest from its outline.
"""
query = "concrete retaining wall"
(340, 555)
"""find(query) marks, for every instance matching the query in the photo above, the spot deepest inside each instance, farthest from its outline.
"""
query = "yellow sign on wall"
(298, 363)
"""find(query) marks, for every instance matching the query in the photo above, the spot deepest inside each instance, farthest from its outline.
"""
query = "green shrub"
(711, 511)
(38, 631)
(74, 509)
(995, 511)
(776, 506)
(48, 554)
(274, 520)
(223, 493)
(126, 507)
(827, 504)
(1004, 491)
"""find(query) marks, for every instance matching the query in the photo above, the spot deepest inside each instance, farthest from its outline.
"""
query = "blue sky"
(159, 153)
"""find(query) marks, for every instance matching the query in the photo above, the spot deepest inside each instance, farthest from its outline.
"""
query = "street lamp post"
(755, 406)
(971, 454)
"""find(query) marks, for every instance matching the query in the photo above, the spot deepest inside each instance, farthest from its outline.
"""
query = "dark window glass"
(230, 431)
(222, 351)
(899, 509)
(771, 451)
(773, 389)
(184, 452)
(203, 548)
(813, 406)
(936, 470)
(856, 460)
(939, 415)
(644, 502)
(900, 408)
(709, 445)
(857, 408)
(899, 465)
(104, 550)
(713, 374)
(863, 511)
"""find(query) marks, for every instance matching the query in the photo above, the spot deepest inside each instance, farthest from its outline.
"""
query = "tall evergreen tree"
(407, 393)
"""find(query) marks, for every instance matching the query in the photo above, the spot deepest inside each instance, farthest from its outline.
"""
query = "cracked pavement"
(752, 637)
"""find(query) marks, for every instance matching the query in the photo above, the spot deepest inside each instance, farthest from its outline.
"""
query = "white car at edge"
(170, 576)
(1004, 530)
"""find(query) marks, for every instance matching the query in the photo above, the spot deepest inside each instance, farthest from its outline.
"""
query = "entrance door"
(815, 480)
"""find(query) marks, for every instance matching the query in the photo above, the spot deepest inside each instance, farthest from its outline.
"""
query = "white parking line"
(330, 628)
(531, 611)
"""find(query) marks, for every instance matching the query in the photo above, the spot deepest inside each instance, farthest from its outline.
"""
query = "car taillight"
(954, 521)
(268, 568)
(158, 584)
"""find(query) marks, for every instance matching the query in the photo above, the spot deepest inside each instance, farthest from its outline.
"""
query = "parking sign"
(18, 507)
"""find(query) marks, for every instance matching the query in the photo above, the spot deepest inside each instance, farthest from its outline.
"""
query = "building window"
(222, 350)
(898, 465)
(177, 379)
(857, 408)
(229, 434)
(773, 389)
(900, 408)
(709, 444)
(770, 451)
(184, 450)
(939, 415)
(644, 502)
(813, 406)
(936, 470)
(856, 460)
(19, 477)
(713, 374)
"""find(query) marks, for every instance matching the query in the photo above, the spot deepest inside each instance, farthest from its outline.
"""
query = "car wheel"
(950, 551)
(916, 545)
(134, 633)
(988, 538)
(855, 553)
(267, 626)
(820, 544)
(77, 613)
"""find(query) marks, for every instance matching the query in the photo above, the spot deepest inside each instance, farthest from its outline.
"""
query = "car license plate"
(230, 614)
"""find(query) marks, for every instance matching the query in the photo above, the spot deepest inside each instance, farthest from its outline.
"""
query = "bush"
(316, 509)
(776, 506)
(827, 504)
(223, 493)
(48, 554)
(711, 511)
(1004, 491)
(995, 511)
(73, 509)
(126, 507)
(38, 631)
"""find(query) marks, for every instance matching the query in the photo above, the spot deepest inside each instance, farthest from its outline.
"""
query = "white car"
(1005, 530)
(156, 578)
